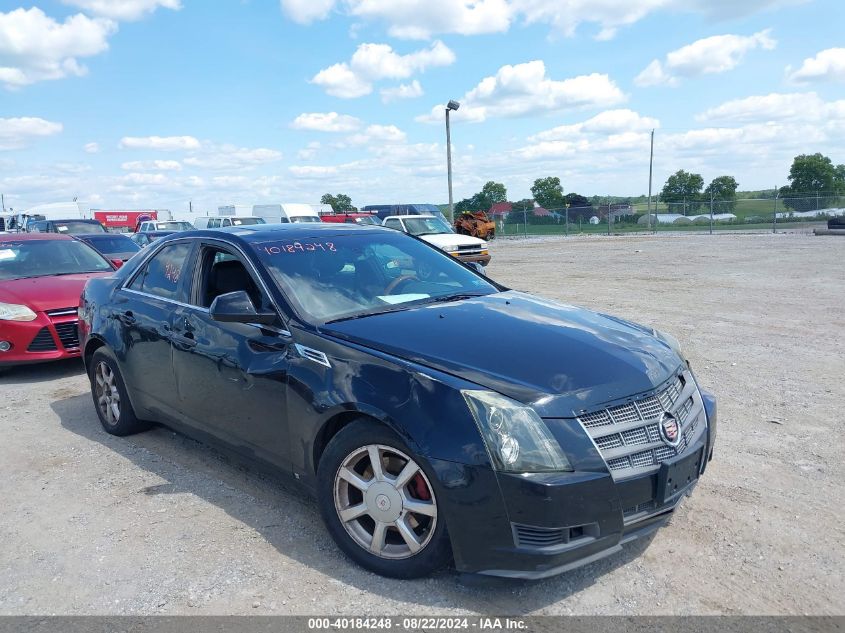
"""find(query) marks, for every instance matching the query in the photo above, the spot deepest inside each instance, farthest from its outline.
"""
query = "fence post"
(775, 212)
(608, 217)
(525, 220)
(567, 220)
(711, 213)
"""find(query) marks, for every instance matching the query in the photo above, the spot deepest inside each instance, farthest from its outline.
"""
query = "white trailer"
(235, 210)
(287, 212)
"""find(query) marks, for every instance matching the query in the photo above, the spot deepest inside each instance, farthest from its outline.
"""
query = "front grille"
(646, 506)
(61, 312)
(68, 334)
(540, 537)
(43, 342)
(627, 435)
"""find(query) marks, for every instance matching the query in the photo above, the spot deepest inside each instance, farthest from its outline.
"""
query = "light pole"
(452, 105)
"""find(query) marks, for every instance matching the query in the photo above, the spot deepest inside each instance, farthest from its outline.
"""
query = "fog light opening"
(5, 346)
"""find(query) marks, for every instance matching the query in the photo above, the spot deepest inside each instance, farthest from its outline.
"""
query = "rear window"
(76, 228)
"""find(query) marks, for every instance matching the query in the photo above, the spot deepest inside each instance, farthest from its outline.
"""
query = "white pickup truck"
(437, 232)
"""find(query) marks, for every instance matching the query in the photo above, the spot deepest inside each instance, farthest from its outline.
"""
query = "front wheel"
(379, 504)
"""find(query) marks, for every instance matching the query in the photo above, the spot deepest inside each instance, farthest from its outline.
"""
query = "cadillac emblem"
(670, 431)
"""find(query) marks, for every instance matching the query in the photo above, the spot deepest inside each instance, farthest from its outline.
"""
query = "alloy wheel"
(108, 397)
(385, 501)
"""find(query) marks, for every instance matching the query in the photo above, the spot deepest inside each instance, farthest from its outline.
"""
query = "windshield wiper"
(369, 313)
(458, 296)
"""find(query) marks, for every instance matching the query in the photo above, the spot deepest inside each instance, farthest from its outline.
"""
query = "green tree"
(580, 207)
(494, 192)
(811, 173)
(723, 192)
(548, 193)
(340, 203)
(683, 186)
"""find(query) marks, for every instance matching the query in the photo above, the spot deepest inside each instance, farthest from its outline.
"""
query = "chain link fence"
(748, 214)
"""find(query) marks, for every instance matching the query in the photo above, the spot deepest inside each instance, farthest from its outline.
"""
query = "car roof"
(294, 230)
(99, 236)
(34, 237)
(412, 216)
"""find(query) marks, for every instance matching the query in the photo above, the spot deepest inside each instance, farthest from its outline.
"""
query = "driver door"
(231, 378)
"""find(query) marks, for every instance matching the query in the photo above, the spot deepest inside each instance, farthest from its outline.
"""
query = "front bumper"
(44, 339)
(482, 259)
(536, 525)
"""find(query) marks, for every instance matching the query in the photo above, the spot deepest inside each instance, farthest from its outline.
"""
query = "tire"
(415, 542)
(110, 398)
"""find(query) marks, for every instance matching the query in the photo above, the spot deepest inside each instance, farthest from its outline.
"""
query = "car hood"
(46, 293)
(451, 239)
(561, 359)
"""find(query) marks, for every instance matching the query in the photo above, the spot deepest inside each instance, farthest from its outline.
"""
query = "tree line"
(810, 175)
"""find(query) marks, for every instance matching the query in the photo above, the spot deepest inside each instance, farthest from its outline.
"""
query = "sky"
(161, 103)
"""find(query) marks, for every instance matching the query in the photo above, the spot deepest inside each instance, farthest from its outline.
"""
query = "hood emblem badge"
(670, 431)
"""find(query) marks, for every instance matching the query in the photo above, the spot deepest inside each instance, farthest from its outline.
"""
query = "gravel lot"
(157, 523)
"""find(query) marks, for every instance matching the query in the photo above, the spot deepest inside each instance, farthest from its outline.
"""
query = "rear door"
(231, 378)
(147, 307)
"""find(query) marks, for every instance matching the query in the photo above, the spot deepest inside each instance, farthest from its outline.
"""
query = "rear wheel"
(379, 504)
(110, 398)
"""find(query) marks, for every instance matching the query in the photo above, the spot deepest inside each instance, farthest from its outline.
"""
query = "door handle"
(127, 317)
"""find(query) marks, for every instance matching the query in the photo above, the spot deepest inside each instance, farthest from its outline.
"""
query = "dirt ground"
(157, 523)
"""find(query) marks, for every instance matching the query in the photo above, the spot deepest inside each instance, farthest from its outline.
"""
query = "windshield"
(366, 220)
(305, 218)
(342, 276)
(173, 226)
(114, 244)
(247, 221)
(73, 227)
(425, 226)
(41, 258)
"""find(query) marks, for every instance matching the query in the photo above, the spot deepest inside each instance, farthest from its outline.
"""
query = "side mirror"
(117, 262)
(237, 307)
(477, 268)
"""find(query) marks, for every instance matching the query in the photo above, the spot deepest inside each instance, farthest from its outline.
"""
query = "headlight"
(15, 312)
(517, 439)
(483, 246)
(450, 249)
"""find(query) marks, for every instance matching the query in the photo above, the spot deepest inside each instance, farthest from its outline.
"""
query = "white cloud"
(18, 132)
(716, 54)
(326, 122)
(123, 10)
(152, 165)
(307, 11)
(422, 19)
(799, 106)
(217, 157)
(525, 89)
(419, 19)
(374, 62)
(402, 91)
(166, 143)
(91, 148)
(309, 152)
(143, 179)
(827, 65)
(34, 47)
(607, 122)
(566, 15)
(380, 134)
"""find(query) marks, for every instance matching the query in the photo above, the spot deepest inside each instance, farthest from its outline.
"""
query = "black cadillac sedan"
(436, 415)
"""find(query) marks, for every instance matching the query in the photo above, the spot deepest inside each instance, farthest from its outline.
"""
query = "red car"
(41, 278)
(350, 218)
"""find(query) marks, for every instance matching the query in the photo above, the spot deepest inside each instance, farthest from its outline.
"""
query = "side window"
(224, 272)
(224, 222)
(393, 223)
(162, 275)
